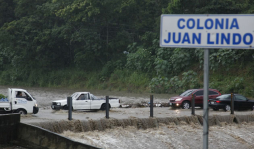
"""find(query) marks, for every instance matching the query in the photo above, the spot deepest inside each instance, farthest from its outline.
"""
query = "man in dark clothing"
(19, 95)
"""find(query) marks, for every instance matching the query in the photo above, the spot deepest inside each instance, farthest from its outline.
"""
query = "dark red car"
(184, 99)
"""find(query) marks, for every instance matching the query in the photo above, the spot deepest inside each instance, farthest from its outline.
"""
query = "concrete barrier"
(8, 127)
(29, 136)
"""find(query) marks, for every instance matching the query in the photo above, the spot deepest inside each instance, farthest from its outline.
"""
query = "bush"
(2, 96)
(219, 85)
(190, 80)
(175, 84)
(141, 60)
(107, 70)
(229, 85)
(248, 92)
(164, 85)
(132, 81)
(234, 85)
(180, 60)
(159, 85)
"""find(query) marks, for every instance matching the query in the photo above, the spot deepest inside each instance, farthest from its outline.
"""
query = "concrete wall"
(8, 127)
(29, 136)
(35, 137)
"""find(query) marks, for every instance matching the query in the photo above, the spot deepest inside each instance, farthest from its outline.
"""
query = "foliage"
(229, 85)
(163, 63)
(137, 81)
(141, 60)
(175, 84)
(173, 61)
(131, 81)
(222, 57)
(181, 60)
(2, 96)
(159, 85)
(190, 80)
(209, 7)
(6, 11)
(112, 44)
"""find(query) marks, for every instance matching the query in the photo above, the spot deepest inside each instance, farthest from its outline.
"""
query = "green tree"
(6, 11)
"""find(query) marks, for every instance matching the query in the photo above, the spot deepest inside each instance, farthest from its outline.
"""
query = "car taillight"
(217, 101)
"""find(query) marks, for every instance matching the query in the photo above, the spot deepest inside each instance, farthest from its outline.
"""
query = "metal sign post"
(205, 100)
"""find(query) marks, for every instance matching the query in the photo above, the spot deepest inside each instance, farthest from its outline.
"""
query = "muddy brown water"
(132, 127)
(174, 132)
(169, 136)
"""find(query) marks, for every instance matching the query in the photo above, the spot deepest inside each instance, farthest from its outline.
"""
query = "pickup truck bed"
(4, 100)
(4, 103)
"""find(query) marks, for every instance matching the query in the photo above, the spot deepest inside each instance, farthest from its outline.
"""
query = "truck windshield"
(32, 97)
(29, 95)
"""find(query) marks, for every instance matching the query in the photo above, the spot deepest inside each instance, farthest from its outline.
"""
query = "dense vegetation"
(114, 44)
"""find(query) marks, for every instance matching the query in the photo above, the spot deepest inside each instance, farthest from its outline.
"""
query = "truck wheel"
(21, 112)
(65, 107)
(103, 107)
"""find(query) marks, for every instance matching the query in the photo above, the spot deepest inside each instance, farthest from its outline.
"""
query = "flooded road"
(169, 136)
(47, 114)
(45, 96)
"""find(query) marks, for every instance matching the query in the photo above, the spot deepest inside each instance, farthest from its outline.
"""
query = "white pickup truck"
(18, 101)
(85, 101)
